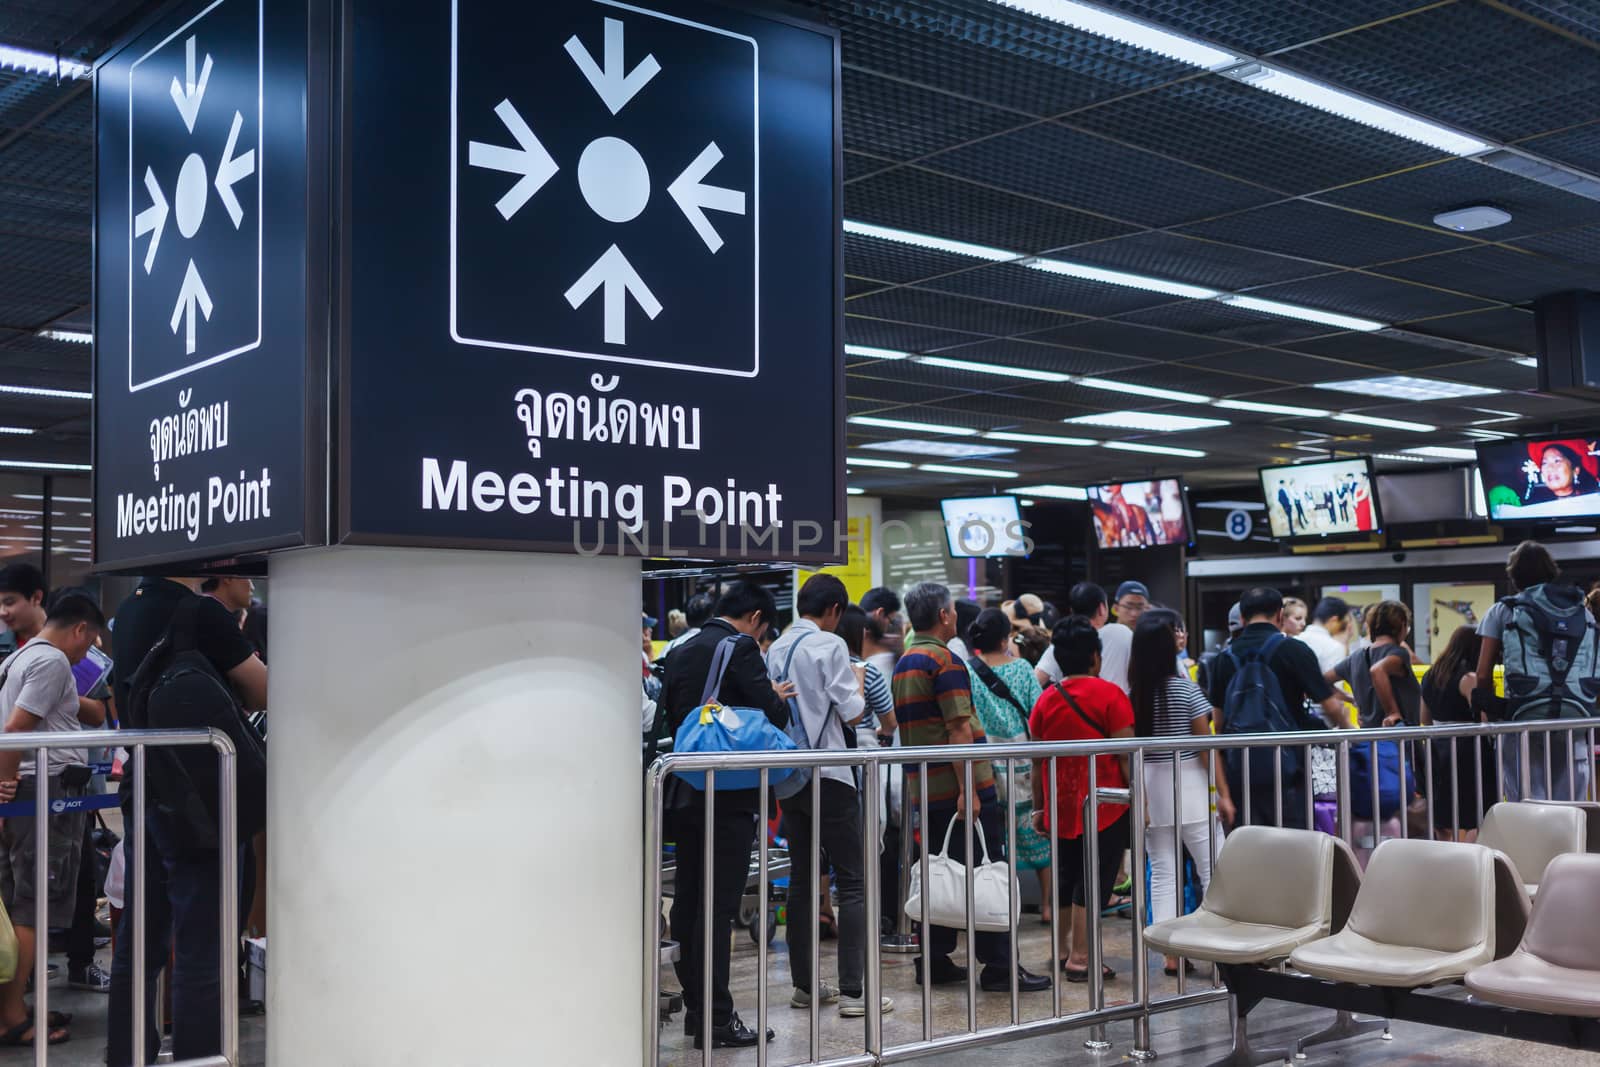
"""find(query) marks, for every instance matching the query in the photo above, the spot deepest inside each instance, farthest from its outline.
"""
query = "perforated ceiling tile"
(1490, 373)
(1370, 297)
(1324, 234)
(1467, 64)
(1575, 246)
(956, 313)
(1044, 357)
(1497, 273)
(858, 165)
(992, 53)
(895, 261)
(1270, 366)
(1011, 283)
(892, 392)
(917, 200)
(937, 414)
(1578, 147)
(1211, 319)
(900, 337)
(1082, 170)
(1416, 196)
(1507, 328)
(860, 286)
(63, 259)
(1132, 339)
(1253, 135)
(888, 117)
(1253, 26)
(1180, 258)
(1388, 354)
(22, 217)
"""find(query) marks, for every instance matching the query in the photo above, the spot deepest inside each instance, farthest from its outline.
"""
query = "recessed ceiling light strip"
(30, 62)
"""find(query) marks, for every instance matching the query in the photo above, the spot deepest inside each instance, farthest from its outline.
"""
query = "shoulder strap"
(719, 666)
(1073, 704)
(997, 685)
(788, 659)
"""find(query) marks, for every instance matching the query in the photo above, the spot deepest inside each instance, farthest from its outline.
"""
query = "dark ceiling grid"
(1017, 284)
(1264, 28)
(1578, 146)
(1498, 273)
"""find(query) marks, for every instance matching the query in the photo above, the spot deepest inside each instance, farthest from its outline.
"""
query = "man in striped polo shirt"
(933, 703)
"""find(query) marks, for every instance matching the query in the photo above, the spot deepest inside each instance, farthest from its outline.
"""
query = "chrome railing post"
(1570, 743)
(141, 862)
(707, 876)
(1056, 958)
(1141, 966)
(872, 987)
(1375, 774)
(1427, 781)
(1477, 774)
(653, 816)
(808, 900)
(1012, 902)
(227, 815)
(1179, 882)
(1346, 830)
(1091, 906)
(925, 935)
(1308, 789)
(1277, 786)
(971, 788)
(1545, 739)
(1244, 785)
(41, 905)
(761, 918)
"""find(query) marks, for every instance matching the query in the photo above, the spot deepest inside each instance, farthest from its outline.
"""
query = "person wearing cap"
(1132, 599)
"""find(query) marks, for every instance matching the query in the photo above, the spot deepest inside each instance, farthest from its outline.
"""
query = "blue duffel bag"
(713, 727)
(1395, 780)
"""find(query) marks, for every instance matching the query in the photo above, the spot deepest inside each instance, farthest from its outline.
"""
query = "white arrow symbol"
(529, 160)
(620, 279)
(695, 199)
(188, 95)
(192, 292)
(151, 220)
(232, 169)
(614, 87)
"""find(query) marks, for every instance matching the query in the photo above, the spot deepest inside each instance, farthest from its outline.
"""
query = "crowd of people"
(926, 669)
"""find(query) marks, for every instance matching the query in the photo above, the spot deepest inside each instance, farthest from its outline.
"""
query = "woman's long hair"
(1152, 660)
(1458, 657)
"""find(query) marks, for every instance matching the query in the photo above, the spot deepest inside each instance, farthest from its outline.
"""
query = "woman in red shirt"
(1081, 707)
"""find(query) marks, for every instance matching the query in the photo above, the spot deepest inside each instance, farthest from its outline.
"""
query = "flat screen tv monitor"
(984, 526)
(1540, 478)
(1139, 514)
(1334, 498)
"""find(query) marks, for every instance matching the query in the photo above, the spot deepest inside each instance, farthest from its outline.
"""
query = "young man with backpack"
(183, 908)
(744, 611)
(1261, 684)
(1547, 639)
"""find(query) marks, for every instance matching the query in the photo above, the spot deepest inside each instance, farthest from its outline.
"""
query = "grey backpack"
(1552, 654)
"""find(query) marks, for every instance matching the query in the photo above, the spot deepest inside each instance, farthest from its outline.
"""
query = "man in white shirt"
(827, 703)
(1328, 632)
(1116, 638)
(697, 612)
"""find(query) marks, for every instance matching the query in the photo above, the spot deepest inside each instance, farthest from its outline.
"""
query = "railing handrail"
(27, 742)
(852, 757)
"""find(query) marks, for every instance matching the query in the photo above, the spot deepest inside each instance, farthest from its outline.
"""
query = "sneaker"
(92, 979)
(802, 999)
(856, 1007)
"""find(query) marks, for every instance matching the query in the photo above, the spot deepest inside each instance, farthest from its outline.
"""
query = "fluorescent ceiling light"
(1356, 108)
(1271, 409)
(946, 449)
(26, 59)
(60, 394)
(887, 464)
(1405, 387)
(1399, 457)
(1526, 361)
(971, 472)
(28, 464)
(914, 427)
(1142, 390)
(63, 529)
(1054, 492)
(1575, 529)
(1441, 452)
(853, 491)
(867, 351)
(1488, 435)
(993, 368)
(1295, 311)
(1159, 450)
(922, 240)
(1146, 420)
(77, 337)
(1128, 31)
(1373, 420)
(21, 431)
(1233, 505)
(56, 499)
(1038, 438)
(1117, 277)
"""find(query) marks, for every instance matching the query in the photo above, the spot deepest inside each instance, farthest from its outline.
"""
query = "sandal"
(57, 1019)
(21, 1035)
(1172, 972)
(1073, 974)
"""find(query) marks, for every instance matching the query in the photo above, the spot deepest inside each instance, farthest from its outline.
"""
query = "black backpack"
(1254, 704)
(177, 688)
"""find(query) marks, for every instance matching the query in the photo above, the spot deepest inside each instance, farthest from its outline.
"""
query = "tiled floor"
(1196, 1035)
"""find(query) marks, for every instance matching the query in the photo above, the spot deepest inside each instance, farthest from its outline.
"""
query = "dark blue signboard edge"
(244, 555)
(341, 532)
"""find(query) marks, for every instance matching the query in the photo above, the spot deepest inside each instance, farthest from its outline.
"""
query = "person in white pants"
(1167, 704)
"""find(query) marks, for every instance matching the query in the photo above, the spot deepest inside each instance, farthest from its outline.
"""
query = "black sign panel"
(594, 277)
(201, 380)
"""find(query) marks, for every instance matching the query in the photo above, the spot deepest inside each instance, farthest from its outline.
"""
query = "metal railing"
(137, 742)
(1521, 750)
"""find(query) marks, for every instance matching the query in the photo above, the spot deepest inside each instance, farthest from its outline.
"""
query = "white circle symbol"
(611, 174)
(190, 202)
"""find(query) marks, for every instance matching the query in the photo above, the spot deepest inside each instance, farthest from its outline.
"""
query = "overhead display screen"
(1139, 514)
(1333, 498)
(984, 526)
(1542, 478)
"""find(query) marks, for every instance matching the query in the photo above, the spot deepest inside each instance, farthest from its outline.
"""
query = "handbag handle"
(983, 844)
(719, 666)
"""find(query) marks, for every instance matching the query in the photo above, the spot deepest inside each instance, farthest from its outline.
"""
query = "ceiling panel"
(1379, 352)
(1252, 26)
(1468, 64)
(1577, 246)
(1036, 288)
(895, 261)
(1579, 147)
(1325, 235)
(1507, 328)
(1134, 339)
(888, 117)
(1225, 323)
(1416, 196)
(1500, 274)
(1368, 296)
(1253, 365)
(1035, 356)
(1181, 258)
(901, 337)
(955, 313)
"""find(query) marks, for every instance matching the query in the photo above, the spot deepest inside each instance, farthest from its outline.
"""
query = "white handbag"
(993, 885)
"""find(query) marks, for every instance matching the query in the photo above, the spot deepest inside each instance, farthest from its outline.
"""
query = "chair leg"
(1345, 1025)
(1242, 1055)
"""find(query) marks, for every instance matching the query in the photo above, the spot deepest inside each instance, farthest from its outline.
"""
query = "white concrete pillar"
(454, 809)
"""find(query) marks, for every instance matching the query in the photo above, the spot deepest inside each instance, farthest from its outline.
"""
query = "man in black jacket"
(744, 611)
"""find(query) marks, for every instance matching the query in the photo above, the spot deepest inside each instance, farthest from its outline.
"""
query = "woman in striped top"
(1167, 704)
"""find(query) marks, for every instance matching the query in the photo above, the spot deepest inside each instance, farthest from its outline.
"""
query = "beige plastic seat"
(1591, 813)
(1533, 834)
(1272, 890)
(1556, 969)
(1428, 911)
